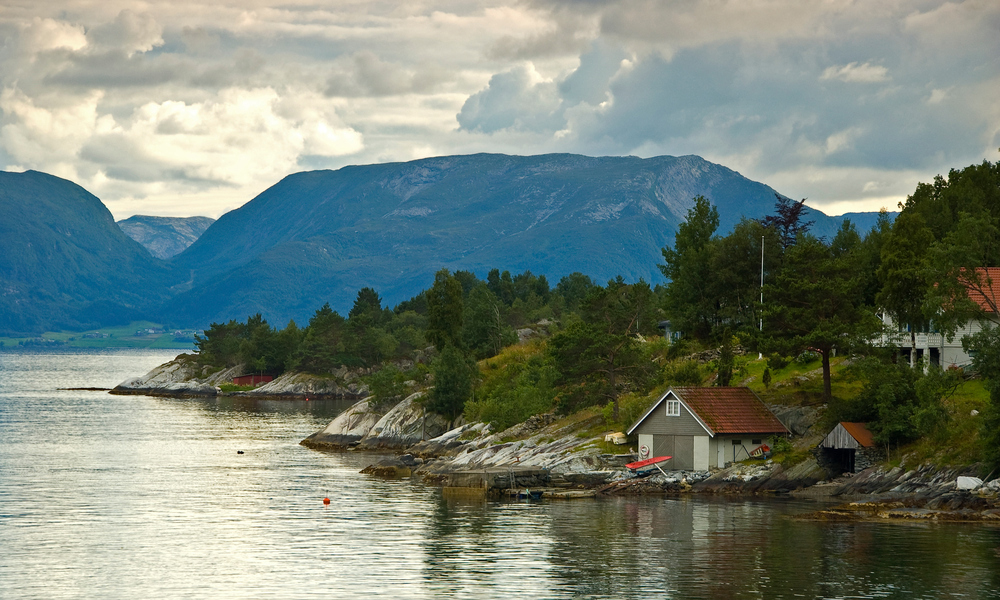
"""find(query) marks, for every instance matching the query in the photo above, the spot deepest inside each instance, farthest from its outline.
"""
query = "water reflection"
(110, 496)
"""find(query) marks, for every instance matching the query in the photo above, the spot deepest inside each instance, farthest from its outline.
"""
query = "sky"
(183, 109)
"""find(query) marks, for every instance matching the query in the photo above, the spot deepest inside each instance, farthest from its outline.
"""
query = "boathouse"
(706, 427)
(849, 448)
(252, 379)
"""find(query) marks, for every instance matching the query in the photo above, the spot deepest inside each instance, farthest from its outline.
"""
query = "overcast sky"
(182, 109)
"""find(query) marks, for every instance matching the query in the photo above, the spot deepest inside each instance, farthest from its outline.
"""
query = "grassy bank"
(138, 334)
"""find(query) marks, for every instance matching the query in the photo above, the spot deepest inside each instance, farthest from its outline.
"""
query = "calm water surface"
(130, 496)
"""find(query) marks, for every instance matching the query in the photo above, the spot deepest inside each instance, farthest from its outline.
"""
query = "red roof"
(860, 433)
(990, 279)
(730, 410)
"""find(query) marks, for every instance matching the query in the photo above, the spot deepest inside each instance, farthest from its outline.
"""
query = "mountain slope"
(165, 237)
(319, 236)
(64, 263)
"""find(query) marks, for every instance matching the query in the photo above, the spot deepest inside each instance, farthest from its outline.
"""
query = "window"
(757, 442)
(736, 443)
(673, 408)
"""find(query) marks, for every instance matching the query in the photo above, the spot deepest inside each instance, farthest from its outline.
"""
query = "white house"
(934, 347)
(705, 427)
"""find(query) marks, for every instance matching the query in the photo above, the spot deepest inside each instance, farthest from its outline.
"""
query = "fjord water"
(131, 496)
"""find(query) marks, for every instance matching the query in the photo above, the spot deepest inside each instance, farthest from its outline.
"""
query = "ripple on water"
(126, 496)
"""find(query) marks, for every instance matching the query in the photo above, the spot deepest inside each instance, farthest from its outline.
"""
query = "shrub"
(686, 372)
(780, 445)
(806, 357)
(386, 385)
(630, 408)
(776, 362)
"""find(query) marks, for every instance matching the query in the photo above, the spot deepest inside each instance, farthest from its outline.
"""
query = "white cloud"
(206, 104)
(857, 73)
(519, 98)
(128, 33)
(42, 34)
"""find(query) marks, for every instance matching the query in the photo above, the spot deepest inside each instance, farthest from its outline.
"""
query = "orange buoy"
(326, 500)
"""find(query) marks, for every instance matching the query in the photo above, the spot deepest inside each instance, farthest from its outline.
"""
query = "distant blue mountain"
(64, 264)
(319, 236)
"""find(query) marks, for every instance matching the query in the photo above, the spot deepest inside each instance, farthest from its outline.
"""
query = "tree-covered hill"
(320, 236)
(64, 263)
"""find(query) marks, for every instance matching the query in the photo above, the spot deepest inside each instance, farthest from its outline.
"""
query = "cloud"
(857, 73)
(207, 104)
(128, 33)
(43, 34)
(365, 74)
(519, 98)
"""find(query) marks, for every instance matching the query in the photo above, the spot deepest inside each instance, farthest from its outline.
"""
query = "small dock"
(514, 482)
(498, 478)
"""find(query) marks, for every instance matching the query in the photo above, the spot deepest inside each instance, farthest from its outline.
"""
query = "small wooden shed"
(849, 448)
(252, 379)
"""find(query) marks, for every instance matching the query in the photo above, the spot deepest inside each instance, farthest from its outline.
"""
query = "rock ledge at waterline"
(184, 377)
(367, 426)
(180, 377)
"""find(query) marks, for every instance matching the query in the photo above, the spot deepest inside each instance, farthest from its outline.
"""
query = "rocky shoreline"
(184, 377)
(548, 451)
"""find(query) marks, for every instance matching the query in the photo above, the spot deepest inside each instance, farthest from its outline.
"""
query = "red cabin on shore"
(252, 379)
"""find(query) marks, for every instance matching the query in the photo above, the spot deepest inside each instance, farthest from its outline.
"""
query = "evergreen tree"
(691, 298)
(454, 374)
(444, 311)
(814, 301)
(600, 357)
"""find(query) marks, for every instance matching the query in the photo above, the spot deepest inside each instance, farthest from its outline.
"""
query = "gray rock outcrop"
(347, 429)
(180, 377)
(798, 419)
(405, 425)
(310, 386)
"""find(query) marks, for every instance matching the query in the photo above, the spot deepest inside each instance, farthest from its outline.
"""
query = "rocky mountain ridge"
(165, 237)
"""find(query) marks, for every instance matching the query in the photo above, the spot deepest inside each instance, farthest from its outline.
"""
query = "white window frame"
(673, 408)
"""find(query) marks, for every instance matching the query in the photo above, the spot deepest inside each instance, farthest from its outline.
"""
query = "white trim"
(684, 404)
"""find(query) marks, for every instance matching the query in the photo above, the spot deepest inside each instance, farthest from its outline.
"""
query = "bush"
(518, 383)
(806, 357)
(386, 385)
(776, 362)
(630, 408)
(686, 372)
(780, 445)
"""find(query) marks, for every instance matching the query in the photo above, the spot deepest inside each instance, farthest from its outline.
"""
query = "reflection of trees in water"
(696, 548)
(486, 549)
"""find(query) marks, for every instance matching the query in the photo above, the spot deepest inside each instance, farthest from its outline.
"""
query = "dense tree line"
(823, 296)
(826, 295)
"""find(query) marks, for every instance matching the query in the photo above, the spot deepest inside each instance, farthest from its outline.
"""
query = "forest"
(512, 346)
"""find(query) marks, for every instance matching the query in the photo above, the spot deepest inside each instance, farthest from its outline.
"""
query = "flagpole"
(760, 354)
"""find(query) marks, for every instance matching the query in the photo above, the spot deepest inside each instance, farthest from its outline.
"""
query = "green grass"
(229, 387)
(120, 337)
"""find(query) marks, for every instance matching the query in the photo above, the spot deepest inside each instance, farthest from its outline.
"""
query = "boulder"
(347, 429)
(391, 468)
(798, 419)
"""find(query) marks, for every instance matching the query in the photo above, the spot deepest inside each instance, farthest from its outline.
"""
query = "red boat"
(649, 462)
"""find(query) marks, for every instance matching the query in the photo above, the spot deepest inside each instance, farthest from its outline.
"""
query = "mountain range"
(319, 236)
